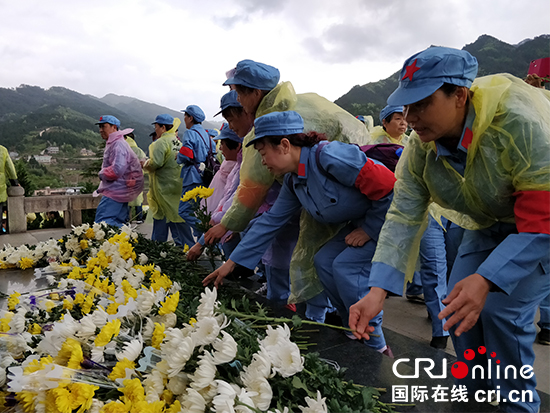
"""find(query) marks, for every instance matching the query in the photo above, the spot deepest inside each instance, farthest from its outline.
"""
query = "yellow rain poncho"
(7, 171)
(379, 135)
(319, 115)
(141, 155)
(509, 152)
(164, 176)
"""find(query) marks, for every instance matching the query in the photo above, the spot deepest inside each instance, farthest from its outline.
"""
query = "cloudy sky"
(176, 52)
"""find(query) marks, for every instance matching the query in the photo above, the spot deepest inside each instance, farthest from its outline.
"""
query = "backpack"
(387, 153)
(211, 165)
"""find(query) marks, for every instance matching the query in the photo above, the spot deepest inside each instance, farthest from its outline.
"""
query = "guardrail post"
(17, 219)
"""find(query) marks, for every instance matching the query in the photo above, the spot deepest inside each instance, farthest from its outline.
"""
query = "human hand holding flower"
(194, 252)
(218, 275)
(215, 234)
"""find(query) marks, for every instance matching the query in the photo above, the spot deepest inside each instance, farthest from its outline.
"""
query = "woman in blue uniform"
(337, 184)
(481, 151)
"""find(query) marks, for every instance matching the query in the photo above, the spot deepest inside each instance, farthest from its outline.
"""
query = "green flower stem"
(279, 320)
(239, 403)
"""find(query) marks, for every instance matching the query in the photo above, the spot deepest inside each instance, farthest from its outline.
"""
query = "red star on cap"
(411, 70)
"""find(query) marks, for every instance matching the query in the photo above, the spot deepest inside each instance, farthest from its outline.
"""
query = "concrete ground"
(400, 315)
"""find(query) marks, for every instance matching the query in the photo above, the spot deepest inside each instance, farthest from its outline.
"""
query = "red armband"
(375, 181)
(109, 174)
(532, 211)
(185, 151)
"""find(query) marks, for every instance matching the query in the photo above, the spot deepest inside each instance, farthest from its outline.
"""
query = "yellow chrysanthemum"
(83, 244)
(88, 304)
(35, 329)
(90, 234)
(112, 308)
(185, 249)
(50, 305)
(103, 260)
(54, 296)
(158, 335)
(4, 322)
(109, 330)
(75, 274)
(61, 240)
(82, 396)
(192, 321)
(62, 399)
(119, 371)
(161, 282)
(25, 263)
(175, 408)
(13, 300)
(114, 407)
(3, 395)
(68, 303)
(167, 396)
(79, 298)
(155, 407)
(36, 365)
(126, 250)
(26, 400)
(170, 304)
(133, 391)
(129, 291)
(70, 354)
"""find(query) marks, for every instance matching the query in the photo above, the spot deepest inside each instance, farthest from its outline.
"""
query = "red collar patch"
(301, 169)
(467, 138)
(411, 70)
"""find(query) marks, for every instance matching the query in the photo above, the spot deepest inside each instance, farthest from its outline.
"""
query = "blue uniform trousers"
(178, 229)
(544, 310)
(505, 325)
(344, 272)
(185, 211)
(111, 212)
(433, 273)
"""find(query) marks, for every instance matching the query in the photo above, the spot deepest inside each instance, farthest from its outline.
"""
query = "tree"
(23, 177)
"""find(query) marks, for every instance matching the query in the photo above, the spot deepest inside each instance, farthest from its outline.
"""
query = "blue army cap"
(212, 132)
(229, 100)
(196, 112)
(227, 133)
(277, 124)
(109, 119)
(164, 119)
(388, 110)
(427, 71)
(361, 118)
(254, 75)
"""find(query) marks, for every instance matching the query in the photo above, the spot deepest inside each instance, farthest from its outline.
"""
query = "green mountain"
(493, 56)
(145, 111)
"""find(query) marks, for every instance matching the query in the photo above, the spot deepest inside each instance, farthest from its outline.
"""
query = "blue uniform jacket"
(332, 189)
(195, 146)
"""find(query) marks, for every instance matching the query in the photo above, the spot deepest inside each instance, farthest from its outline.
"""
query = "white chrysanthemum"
(245, 397)
(63, 284)
(193, 402)
(275, 336)
(163, 254)
(87, 327)
(259, 367)
(153, 385)
(131, 350)
(51, 279)
(206, 331)
(169, 320)
(176, 350)
(143, 259)
(2, 376)
(6, 360)
(285, 410)
(40, 402)
(148, 329)
(315, 406)
(178, 384)
(97, 405)
(286, 359)
(207, 303)
(224, 401)
(205, 373)
(260, 392)
(97, 354)
(225, 349)
(17, 323)
(100, 317)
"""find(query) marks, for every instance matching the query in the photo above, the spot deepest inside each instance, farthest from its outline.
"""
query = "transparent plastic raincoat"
(379, 135)
(141, 155)
(7, 171)
(121, 175)
(319, 115)
(509, 153)
(164, 176)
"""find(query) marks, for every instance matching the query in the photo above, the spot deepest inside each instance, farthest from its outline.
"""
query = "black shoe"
(416, 298)
(544, 337)
(439, 342)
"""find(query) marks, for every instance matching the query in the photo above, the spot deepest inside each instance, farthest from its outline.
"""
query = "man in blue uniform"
(196, 144)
